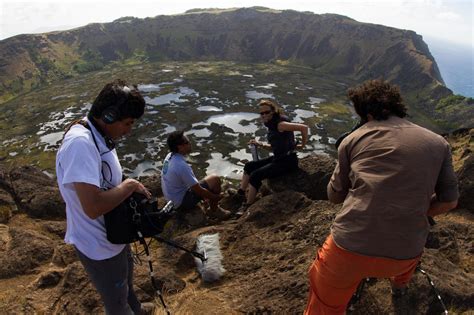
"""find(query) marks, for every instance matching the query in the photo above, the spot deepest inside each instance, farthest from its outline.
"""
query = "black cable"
(150, 265)
(433, 287)
(203, 257)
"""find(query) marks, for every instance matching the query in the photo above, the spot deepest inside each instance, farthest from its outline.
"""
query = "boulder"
(37, 193)
(7, 205)
(24, 251)
(49, 278)
(64, 254)
(311, 178)
(56, 228)
(153, 183)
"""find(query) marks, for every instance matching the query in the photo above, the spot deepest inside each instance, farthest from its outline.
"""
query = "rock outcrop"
(37, 194)
(462, 143)
(25, 251)
(311, 178)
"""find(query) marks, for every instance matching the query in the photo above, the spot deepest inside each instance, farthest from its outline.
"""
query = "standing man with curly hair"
(391, 175)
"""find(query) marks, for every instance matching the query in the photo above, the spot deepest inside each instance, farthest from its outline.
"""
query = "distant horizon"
(447, 20)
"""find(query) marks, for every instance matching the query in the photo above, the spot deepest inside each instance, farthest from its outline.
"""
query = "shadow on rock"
(311, 178)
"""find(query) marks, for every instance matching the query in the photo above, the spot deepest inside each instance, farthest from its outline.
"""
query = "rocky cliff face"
(266, 253)
(334, 44)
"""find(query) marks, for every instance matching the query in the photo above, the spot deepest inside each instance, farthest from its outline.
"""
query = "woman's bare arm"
(287, 126)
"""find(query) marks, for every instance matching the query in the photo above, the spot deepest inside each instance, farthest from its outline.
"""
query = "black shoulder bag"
(135, 218)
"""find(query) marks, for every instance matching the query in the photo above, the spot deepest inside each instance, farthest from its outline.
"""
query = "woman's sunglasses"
(265, 112)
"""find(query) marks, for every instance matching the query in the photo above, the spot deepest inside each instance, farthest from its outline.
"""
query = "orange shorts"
(336, 273)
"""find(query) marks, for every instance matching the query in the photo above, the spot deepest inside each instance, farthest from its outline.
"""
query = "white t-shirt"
(176, 178)
(78, 161)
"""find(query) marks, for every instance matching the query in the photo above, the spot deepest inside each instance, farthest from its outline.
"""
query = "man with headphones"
(89, 176)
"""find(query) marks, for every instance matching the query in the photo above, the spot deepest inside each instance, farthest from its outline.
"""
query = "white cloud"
(450, 16)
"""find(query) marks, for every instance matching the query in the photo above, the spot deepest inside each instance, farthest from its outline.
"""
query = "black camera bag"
(135, 218)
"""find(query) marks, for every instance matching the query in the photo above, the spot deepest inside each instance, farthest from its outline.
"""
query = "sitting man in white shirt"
(179, 184)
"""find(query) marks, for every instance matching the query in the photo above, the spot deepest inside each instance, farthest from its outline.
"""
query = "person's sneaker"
(147, 308)
(219, 213)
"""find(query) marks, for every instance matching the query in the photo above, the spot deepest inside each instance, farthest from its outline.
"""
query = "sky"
(449, 20)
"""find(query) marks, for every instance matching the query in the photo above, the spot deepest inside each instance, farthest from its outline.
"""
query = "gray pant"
(113, 279)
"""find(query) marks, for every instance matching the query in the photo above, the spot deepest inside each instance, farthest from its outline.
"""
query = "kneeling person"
(180, 185)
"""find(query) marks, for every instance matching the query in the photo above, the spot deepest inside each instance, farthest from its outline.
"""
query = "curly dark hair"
(126, 98)
(377, 98)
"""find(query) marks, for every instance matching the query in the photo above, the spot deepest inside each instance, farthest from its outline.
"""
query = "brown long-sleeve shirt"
(386, 173)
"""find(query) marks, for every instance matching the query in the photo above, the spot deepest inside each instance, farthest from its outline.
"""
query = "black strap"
(85, 124)
(108, 141)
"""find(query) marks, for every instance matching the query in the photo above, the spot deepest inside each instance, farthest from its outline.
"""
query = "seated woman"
(281, 141)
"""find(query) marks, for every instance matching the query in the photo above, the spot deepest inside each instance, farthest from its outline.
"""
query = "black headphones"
(113, 113)
(110, 114)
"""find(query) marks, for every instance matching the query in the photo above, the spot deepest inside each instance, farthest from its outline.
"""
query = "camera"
(137, 217)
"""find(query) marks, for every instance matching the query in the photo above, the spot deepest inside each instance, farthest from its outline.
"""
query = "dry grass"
(191, 301)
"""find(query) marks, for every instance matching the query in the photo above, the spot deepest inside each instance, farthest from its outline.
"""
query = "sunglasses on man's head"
(265, 112)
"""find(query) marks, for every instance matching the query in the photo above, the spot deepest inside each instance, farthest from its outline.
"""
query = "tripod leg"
(357, 294)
